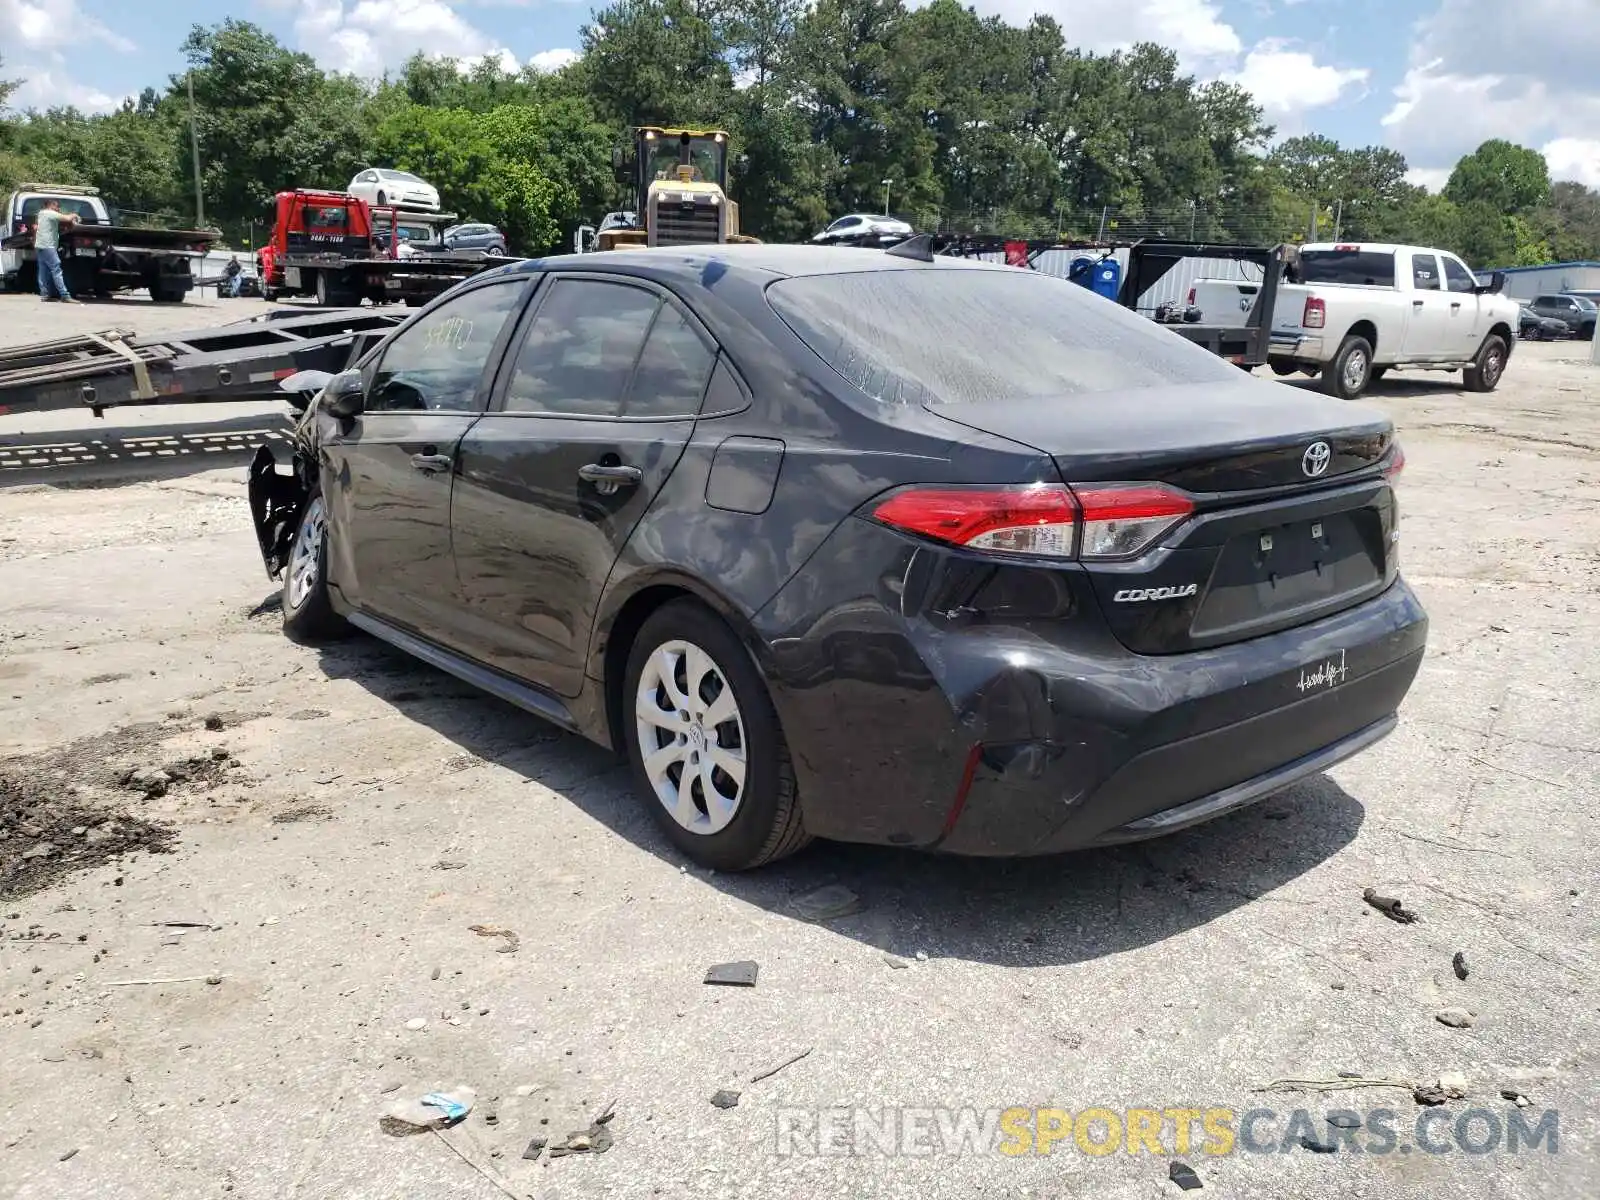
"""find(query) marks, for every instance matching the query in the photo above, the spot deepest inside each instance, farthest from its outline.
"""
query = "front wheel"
(708, 755)
(308, 614)
(1350, 370)
(1484, 374)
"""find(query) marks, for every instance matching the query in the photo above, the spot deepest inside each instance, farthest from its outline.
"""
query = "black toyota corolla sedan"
(842, 543)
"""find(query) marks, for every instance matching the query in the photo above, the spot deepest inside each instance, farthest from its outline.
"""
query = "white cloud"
(552, 60)
(1574, 158)
(1432, 178)
(1474, 74)
(52, 24)
(1193, 28)
(44, 88)
(1286, 82)
(367, 37)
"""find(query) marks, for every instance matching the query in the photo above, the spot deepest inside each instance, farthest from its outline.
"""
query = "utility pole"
(1101, 236)
(886, 184)
(1311, 234)
(194, 147)
(1338, 221)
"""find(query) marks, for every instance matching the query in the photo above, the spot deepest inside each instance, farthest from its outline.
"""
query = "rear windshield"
(959, 336)
(82, 209)
(1369, 267)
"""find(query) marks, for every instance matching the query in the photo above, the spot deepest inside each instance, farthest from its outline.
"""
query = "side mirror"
(1496, 284)
(344, 397)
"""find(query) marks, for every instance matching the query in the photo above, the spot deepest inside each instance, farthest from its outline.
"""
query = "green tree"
(268, 119)
(1503, 176)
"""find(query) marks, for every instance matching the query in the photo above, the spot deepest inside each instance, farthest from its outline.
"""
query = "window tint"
(1456, 276)
(969, 335)
(580, 351)
(1347, 266)
(672, 370)
(436, 364)
(1425, 272)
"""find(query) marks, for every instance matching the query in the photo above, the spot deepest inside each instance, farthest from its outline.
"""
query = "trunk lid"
(1281, 533)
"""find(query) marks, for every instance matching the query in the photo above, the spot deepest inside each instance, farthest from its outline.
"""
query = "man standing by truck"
(47, 251)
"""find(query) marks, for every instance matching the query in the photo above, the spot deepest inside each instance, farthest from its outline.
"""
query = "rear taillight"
(1038, 520)
(1047, 520)
(1120, 520)
(1315, 315)
(1396, 463)
(1190, 300)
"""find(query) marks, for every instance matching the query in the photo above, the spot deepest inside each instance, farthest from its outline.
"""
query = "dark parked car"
(487, 238)
(1578, 312)
(930, 553)
(1534, 328)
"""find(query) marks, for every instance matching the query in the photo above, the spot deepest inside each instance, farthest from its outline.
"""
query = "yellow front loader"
(681, 180)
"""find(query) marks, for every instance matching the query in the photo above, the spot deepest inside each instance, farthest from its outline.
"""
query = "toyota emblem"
(1315, 460)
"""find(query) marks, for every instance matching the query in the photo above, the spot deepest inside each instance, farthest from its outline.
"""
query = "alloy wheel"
(691, 737)
(306, 564)
(1355, 371)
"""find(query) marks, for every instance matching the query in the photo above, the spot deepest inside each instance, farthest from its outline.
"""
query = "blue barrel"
(1106, 278)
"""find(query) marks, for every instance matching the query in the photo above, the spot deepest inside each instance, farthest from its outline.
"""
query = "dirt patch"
(48, 834)
(305, 812)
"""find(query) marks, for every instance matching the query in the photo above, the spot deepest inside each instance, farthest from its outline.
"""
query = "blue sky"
(1432, 78)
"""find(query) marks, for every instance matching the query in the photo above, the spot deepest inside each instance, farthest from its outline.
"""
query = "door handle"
(1456, 304)
(431, 464)
(618, 476)
(1416, 304)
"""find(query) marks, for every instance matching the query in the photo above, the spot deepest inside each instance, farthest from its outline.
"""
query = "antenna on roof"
(918, 247)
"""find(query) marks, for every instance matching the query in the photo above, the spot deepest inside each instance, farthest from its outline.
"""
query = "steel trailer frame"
(244, 360)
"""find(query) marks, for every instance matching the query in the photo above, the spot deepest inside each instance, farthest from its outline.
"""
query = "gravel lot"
(351, 843)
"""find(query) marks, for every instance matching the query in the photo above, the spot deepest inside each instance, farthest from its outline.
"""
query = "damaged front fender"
(276, 499)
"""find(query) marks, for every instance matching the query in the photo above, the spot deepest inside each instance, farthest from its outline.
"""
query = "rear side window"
(1369, 267)
(673, 369)
(953, 335)
(580, 351)
(1425, 272)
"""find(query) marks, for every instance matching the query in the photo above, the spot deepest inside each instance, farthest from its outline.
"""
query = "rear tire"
(1350, 370)
(1484, 374)
(688, 671)
(308, 614)
(1378, 373)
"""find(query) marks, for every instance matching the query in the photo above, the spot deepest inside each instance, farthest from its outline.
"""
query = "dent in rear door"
(606, 380)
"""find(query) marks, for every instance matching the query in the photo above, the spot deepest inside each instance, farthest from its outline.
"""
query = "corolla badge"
(1315, 460)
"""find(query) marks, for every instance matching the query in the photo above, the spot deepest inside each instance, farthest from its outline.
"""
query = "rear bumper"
(1007, 732)
(1300, 346)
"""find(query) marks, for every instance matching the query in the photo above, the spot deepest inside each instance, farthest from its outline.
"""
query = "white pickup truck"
(98, 257)
(1351, 313)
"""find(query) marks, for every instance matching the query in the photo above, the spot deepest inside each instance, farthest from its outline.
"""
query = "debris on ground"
(1459, 964)
(436, 1110)
(1182, 1174)
(507, 936)
(1390, 907)
(827, 903)
(1429, 1095)
(214, 722)
(417, 1023)
(898, 964)
(734, 974)
(1455, 1018)
(788, 1062)
(596, 1139)
(1344, 1080)
(68, 1154)
(304, 812)
(448, 864)
(40, 847)
(1515, 1097)
(724, 1099)
(535, 1148)
(1453, 1084)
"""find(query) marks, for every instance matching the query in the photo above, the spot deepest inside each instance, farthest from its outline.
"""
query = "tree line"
(954, 121)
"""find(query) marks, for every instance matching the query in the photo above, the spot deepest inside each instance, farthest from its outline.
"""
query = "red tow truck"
(328, 245)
